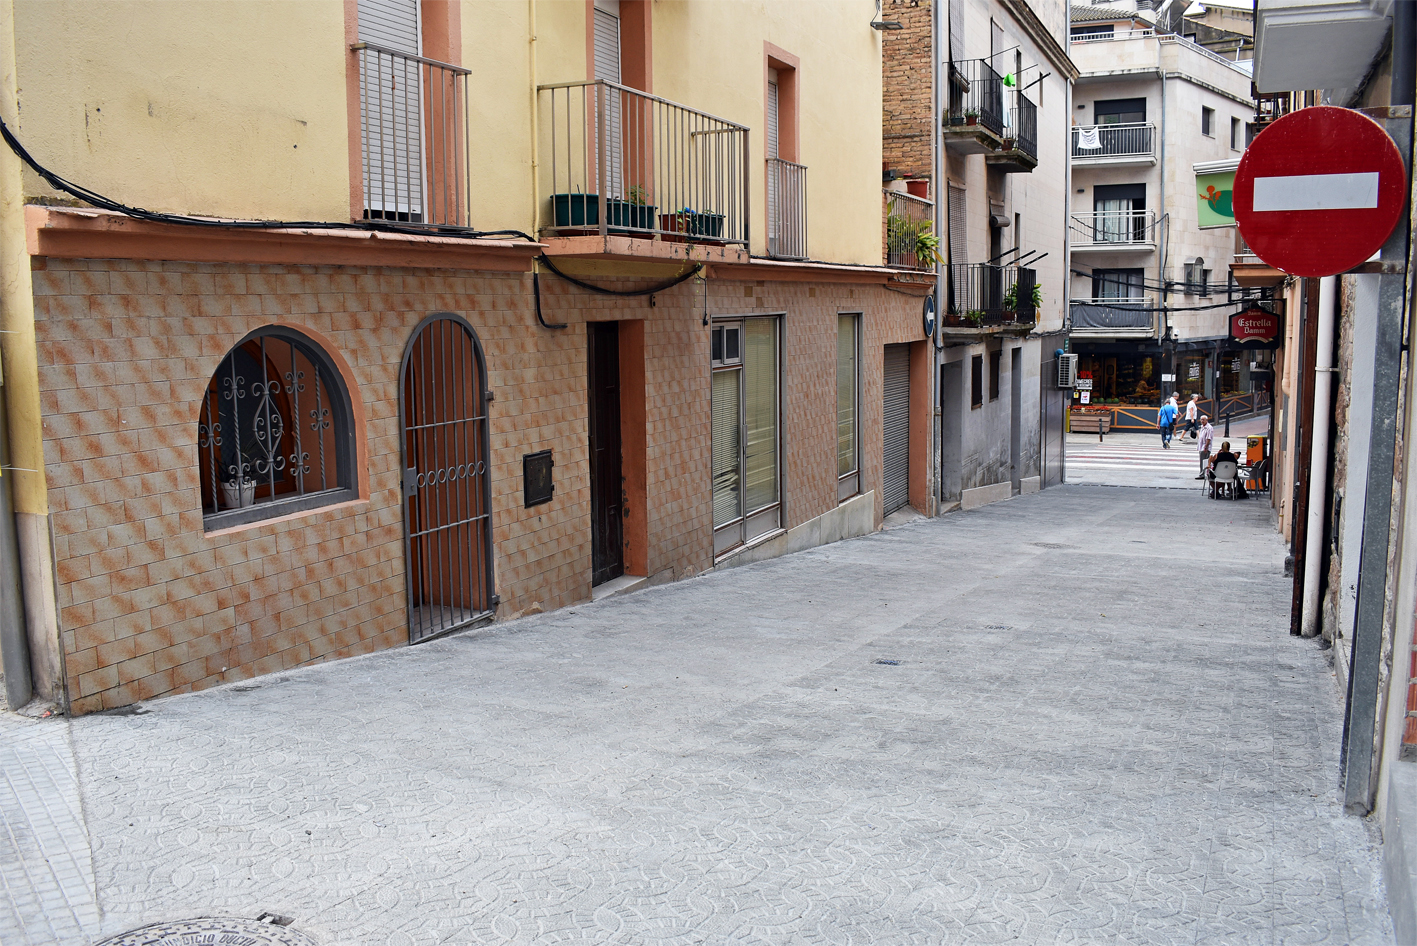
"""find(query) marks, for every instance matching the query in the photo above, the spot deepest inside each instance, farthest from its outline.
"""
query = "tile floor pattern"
(1069, 750)
(47, 890)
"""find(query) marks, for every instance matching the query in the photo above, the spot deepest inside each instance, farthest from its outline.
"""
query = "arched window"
(275, 434)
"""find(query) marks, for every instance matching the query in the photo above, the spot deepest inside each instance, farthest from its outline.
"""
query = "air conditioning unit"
(1067, 371)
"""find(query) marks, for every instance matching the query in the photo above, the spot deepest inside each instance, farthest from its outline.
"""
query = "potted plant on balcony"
(927, 244)
(971, 116)
(975, 317)
(632, 212)
(575, 210)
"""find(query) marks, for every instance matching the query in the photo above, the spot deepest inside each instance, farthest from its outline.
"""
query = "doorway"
(607, 486)
(895, 426)
(1016, 418)
(446, 488)
(951, 431)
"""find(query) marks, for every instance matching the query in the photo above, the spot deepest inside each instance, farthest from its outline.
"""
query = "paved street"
(1016, 724)
(1138, 459)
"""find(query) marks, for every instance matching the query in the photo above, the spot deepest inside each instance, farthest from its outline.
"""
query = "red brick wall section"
(150, 604)
(906, 99)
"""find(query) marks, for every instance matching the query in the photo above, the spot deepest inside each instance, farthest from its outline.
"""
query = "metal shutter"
(392, 91)
(607, 67)
(895, 428)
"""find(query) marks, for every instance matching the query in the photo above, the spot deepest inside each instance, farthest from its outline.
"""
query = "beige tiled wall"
(151, 604)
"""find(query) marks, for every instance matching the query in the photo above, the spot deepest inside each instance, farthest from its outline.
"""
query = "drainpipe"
(937, 174)
(1162, 232)
(1318, 462)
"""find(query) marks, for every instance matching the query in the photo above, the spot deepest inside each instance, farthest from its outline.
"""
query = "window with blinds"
(848, 386)
(745, 417)
(607, 67)
(391, 111)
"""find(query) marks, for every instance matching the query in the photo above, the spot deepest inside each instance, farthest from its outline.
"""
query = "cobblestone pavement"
(1008, 725)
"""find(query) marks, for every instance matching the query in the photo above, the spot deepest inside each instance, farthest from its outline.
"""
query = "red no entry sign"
(1319, 191)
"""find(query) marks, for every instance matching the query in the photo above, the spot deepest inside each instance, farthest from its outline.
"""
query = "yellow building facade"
(334, 326)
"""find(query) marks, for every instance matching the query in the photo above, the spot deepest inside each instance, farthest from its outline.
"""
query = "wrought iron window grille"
(274, 435)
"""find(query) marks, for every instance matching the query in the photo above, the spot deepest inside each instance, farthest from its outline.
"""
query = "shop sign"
(1084, 384)
(1086, 397)
(1256, 328)
(1193, 371)
(1214, 195)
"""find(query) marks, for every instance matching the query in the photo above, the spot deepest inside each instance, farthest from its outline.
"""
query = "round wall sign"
(929, 316)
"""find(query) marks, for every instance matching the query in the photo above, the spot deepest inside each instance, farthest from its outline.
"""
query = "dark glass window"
(1118, 111)
(996, 361)
(976, 382)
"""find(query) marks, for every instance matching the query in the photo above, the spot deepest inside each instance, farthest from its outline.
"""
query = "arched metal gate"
(447, 496)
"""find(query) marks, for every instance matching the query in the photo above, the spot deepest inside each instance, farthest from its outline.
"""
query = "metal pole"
(1359, 735)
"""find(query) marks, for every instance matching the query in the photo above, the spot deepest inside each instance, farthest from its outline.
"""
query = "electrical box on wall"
(537, 486)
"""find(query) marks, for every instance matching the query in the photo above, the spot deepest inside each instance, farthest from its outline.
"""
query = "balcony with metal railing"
(911, 242)
(1122, 143)
(1019, 151)
(985, 297)
(787, 209)
(1113, 231)
(413, 138)
(617, 161)
(975, 112)
(1113, 318)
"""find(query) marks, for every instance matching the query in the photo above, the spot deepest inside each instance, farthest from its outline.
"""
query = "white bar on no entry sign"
(1317, 192)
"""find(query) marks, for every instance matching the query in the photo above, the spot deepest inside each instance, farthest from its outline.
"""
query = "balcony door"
(1118, 209)
(391, 110)
(607, 67)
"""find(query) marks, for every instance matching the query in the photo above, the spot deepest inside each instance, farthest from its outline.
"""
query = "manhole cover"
(211, 931)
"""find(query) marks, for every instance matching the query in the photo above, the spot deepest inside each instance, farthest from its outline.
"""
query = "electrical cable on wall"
(546, 261)
(96, 199)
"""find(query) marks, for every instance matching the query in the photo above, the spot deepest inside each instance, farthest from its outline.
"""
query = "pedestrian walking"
(1204, 436)
(1192, 409)
(1165, 421)
(1176, 422)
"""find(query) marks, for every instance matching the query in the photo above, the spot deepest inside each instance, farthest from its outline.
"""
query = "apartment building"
(435, 313)
(981, 140)
(1158, 128)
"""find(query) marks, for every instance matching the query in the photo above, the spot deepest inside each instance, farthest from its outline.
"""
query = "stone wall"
(906, 96)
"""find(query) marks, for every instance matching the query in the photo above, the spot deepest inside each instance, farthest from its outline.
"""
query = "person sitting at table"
(1225, 454)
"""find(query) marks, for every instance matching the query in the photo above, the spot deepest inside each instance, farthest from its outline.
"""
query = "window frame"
(771, 512)
(1235, 129)
(996, 364)
(976, 382)
(342, 419)
(849, 484)
(1207, 121)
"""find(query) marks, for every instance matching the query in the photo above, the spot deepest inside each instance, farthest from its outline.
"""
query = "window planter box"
(622, 213)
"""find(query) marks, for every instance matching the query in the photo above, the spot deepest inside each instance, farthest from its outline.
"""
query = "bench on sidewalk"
(1098, 424)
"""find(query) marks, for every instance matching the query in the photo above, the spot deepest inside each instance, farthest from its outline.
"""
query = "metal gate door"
(895, 428)
(447, 496)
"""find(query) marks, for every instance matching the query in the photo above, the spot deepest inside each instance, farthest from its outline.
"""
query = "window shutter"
(895, 428)
(607, 67)
(391, 110)
(772, 143)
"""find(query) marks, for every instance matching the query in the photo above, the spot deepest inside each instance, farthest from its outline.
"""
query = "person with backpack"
(1165, 420)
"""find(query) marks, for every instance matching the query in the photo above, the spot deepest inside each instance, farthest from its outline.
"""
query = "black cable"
(96, 199)
(546, 261)
(536, 293)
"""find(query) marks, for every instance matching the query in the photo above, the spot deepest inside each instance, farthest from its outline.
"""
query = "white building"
(1152, 114)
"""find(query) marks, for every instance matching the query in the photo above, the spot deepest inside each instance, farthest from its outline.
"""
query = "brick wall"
(151, 604)
(906, 101)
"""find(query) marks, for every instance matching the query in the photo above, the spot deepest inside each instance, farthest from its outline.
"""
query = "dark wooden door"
(607, 554)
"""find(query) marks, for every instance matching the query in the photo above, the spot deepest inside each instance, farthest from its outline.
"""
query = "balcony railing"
(622, 161)
(977, 96)
(787, 209)
(985, 294)
(1110, 36)
(1118, 229)
(1113, 316)
(1123, 140)
(413, 138)
(1023, 125)
(908, 219)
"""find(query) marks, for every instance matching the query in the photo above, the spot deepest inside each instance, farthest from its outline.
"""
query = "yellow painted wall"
(709, 55)
(220, 108)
